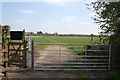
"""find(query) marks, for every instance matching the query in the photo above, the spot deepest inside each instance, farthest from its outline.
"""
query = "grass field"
(64, 40)
(67, 40)
(70, 40)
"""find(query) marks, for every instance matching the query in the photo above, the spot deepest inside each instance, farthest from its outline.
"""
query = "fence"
(72, 57)
(0, 51)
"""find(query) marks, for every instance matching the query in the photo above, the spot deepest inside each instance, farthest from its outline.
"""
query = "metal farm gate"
(72, 57)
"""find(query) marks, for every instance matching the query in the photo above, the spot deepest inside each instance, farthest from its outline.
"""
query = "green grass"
(76, 49)
(63, 40)
(81, 74)
(115, 74)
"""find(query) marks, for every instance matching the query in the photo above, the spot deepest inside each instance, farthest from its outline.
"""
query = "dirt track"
(52, 54)
(46, 56)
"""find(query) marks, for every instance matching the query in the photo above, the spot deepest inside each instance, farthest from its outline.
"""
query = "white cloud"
(20, 24)
(49, 26)
(21, 21)
(91, 14)
(58, 2)
(27, 11)
(64, 1)
(68, 19)
(85, 23)
(55, 1)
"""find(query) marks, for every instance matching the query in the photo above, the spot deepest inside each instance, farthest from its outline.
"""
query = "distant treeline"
(78, 35)
(56, 34)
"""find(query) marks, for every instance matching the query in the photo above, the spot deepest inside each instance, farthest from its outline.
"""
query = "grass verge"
(115, 74)
(79, 73)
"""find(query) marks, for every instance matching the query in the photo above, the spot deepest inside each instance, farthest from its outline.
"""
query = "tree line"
(40, 33)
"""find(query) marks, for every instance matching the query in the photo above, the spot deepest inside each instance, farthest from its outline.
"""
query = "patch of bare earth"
(52, 54)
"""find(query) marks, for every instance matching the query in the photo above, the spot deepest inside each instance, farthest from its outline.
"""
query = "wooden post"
(8, 54)
(24, 50)
(32, 55)
(91, 38)
(24, 54)
(5, 30)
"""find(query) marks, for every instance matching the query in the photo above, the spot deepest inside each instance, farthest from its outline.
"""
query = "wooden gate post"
(24, 54)
(5, 31)
(32, 55)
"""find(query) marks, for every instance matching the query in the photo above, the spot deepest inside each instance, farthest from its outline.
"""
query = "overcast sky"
(50, 16)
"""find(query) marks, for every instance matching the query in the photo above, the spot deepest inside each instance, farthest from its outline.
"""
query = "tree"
(55, 34)
(0, 29)
(6, 28)
(108, 17)
(39, 32)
